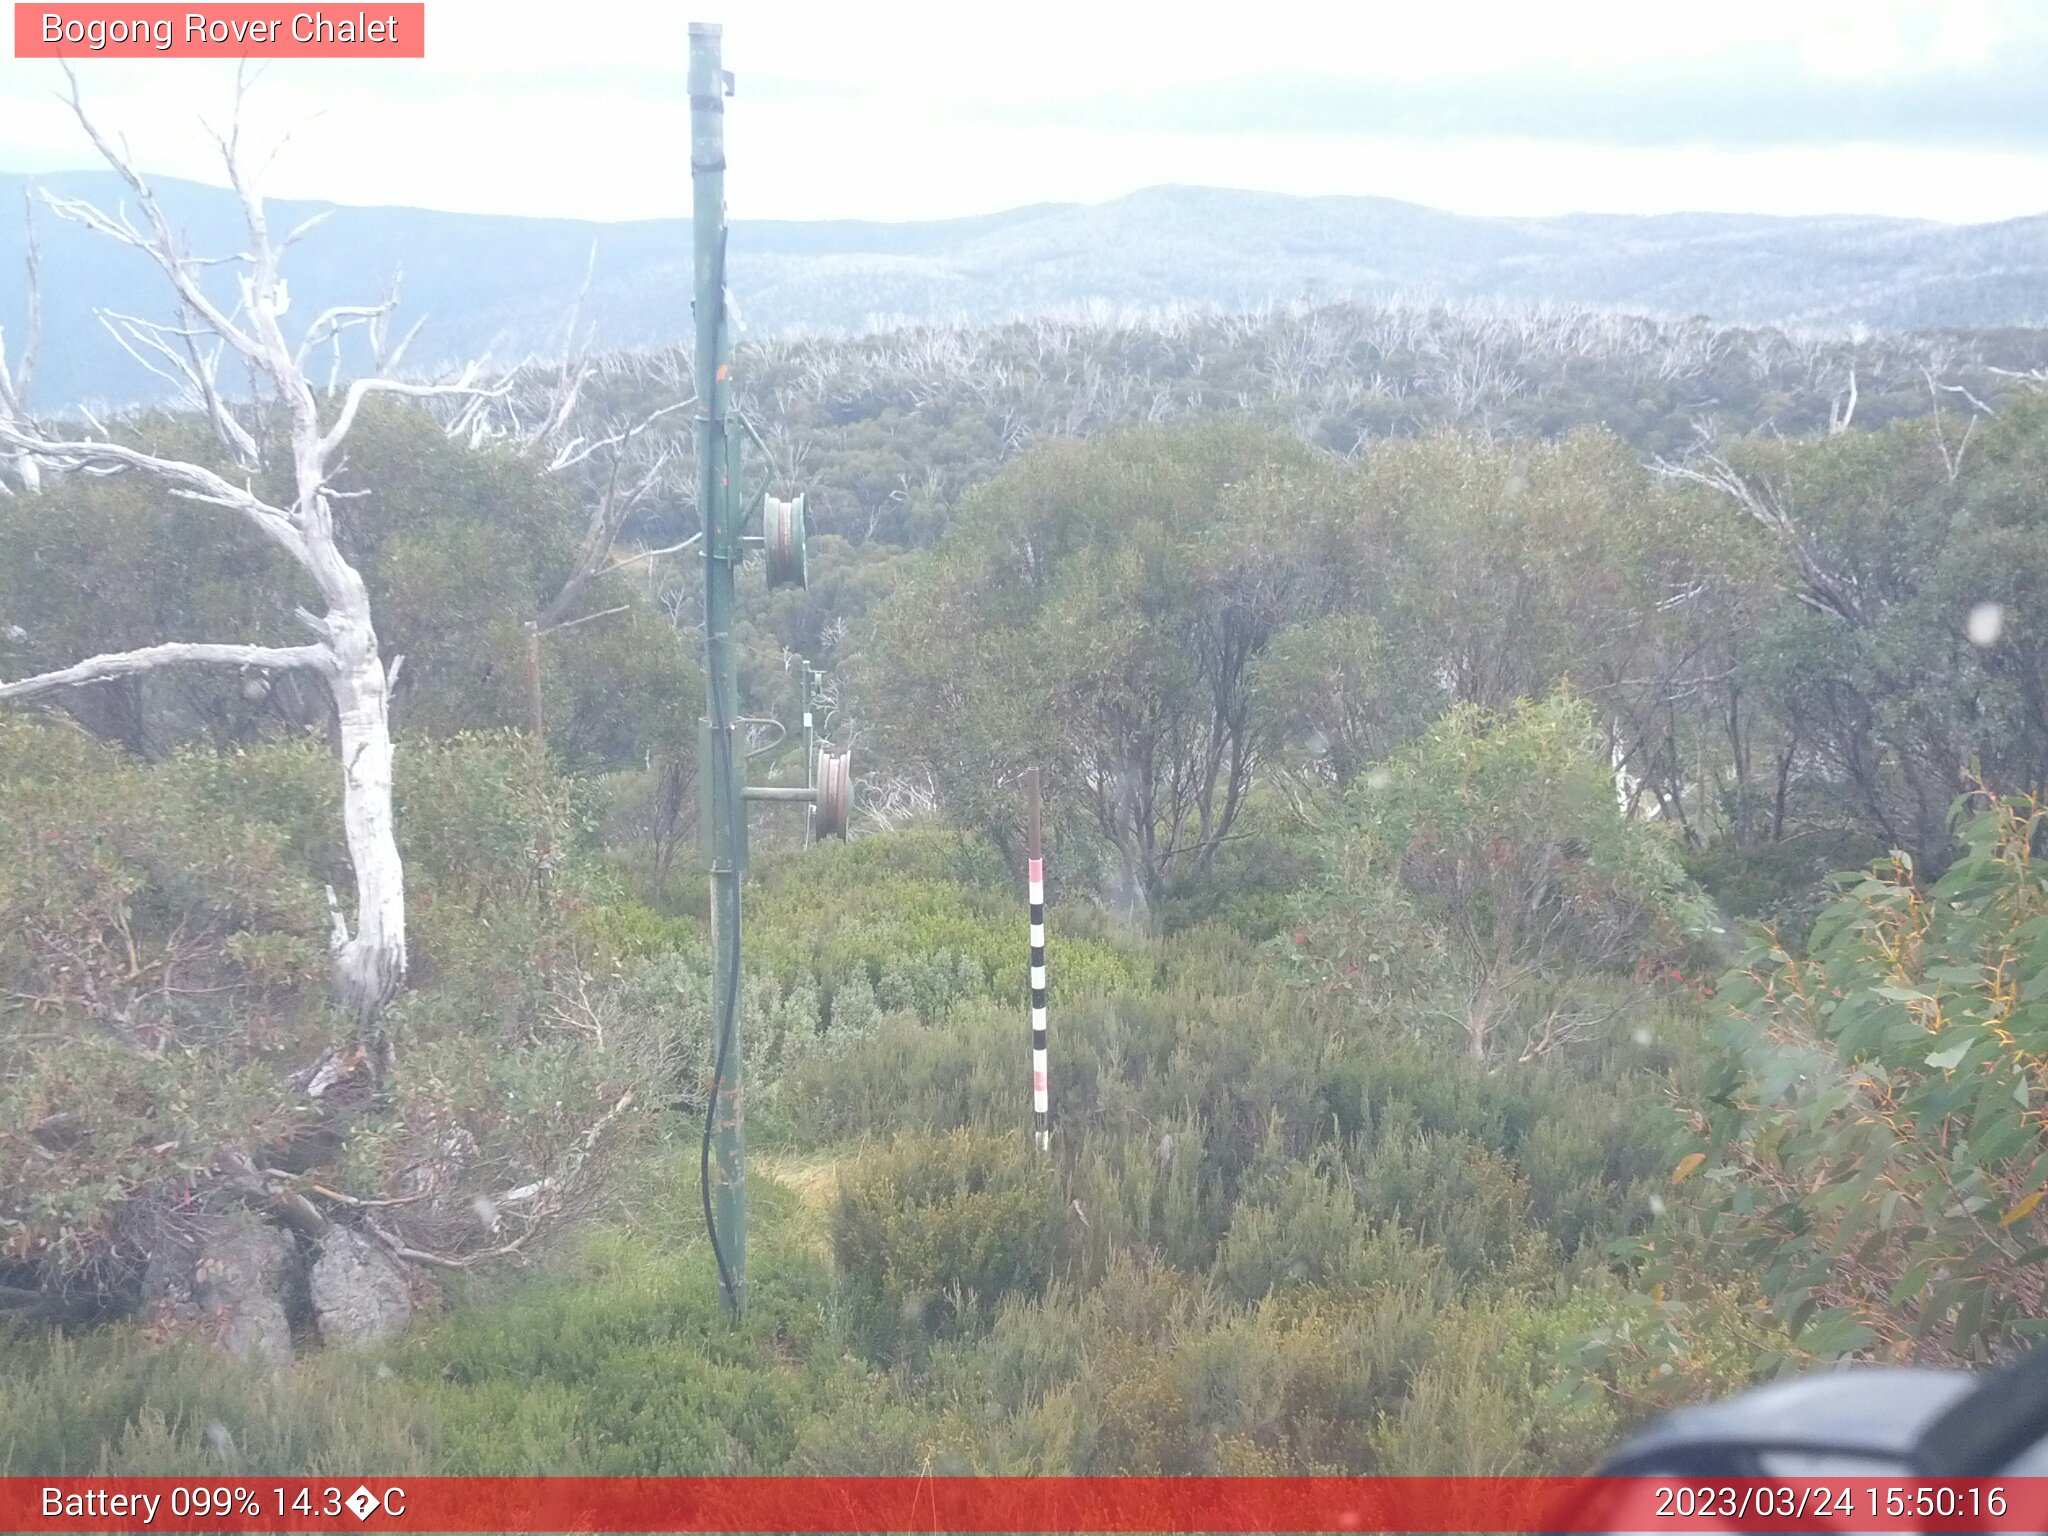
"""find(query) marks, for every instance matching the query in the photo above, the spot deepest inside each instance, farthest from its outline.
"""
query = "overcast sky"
(1928, 108)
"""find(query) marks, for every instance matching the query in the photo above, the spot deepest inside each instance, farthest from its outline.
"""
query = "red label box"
(851, 1506)
(379, 30)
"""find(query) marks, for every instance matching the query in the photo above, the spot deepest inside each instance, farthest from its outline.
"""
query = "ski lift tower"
(722, 757)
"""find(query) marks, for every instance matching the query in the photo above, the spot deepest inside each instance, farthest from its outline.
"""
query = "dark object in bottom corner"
(1855, 1422)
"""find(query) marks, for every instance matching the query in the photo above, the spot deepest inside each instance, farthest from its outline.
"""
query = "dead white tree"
(18, 373)
(1767, 505)
(1952, 458)
(898, 800)
(1842, 409)
(369, 956)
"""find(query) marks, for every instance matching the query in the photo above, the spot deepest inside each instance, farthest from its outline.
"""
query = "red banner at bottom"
(1022, 1504)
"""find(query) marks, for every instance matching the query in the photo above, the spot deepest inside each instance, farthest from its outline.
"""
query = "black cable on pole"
(728, 1013)
(729, 961)
(711, 1112)
(721, 729)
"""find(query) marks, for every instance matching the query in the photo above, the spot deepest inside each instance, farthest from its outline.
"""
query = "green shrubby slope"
(1400, 807)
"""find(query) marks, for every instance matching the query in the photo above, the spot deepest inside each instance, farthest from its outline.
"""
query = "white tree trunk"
(369, 964)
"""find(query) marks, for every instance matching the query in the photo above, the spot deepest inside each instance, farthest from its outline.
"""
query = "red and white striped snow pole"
(1041, 1102)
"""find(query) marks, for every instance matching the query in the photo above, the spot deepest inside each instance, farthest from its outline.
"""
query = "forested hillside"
(503, 285)
(1525, 794)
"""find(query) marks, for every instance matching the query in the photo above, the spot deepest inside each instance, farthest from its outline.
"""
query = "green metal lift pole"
(726, 1198)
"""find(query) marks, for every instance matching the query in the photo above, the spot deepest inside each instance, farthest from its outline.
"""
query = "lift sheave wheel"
(782, 534)
(835, 794)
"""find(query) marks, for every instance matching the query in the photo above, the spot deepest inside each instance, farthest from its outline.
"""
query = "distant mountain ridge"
(503, 284)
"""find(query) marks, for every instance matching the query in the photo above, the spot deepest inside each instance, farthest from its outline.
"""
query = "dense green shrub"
(1783, 885)
(922, 919)
(932, 1233)
(1249, 890)
(622, 1362)
(1482, 867)
(617, 1362)
(1305, 1228)
(1501, 1397)
(160, 954)
(112, 1401)
(162, 948)
(1584, 1144)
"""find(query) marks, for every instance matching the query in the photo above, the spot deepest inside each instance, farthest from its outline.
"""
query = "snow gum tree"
(286, 433)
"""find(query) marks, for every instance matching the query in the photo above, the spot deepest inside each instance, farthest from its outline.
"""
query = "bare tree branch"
(336, 319)
(606, 519)
(161, 245)
(361, 389)
(577, 452)
(1766, 506)
(651, 554)
(588, 618)
(98, 669)
(194, 480)
(1951, 458)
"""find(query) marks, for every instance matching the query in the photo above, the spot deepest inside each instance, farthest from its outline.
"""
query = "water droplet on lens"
(1987, 622)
